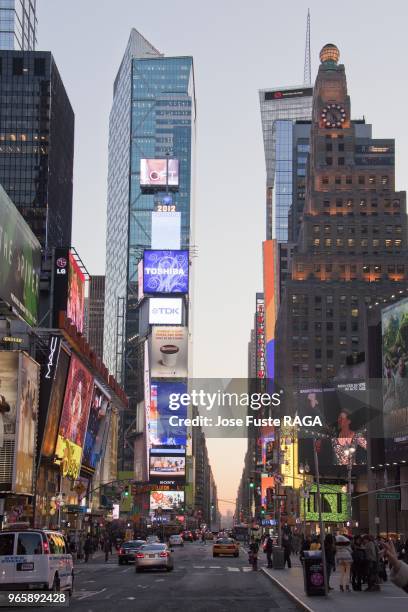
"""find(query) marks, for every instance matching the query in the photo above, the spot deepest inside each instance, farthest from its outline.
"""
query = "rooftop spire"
(307, 73)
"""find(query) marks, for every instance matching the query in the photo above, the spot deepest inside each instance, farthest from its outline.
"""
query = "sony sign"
(165, 311)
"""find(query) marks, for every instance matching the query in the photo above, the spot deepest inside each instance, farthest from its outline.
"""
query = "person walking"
(372, 563)
(399, 569)
(253, 554)
(87, 547)
(107, 547)
(287, 549)
(358, 568)
(344, 560)
(330, 551)
(268, 549)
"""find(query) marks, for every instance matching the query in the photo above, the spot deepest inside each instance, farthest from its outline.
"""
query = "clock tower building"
(352, 244)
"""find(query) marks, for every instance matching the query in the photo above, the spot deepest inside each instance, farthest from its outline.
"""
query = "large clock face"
(333, 116)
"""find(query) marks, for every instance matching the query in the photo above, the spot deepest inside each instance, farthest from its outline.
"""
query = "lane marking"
(215, 566)
(91, 593)
(199, 566)
(233, 569)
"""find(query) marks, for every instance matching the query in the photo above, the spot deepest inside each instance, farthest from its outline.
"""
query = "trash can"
(278, 557)
(313, 575)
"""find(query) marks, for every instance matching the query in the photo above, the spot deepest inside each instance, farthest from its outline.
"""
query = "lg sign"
(165, 311)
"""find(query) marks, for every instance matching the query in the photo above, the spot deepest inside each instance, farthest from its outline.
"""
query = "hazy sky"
(238, 48)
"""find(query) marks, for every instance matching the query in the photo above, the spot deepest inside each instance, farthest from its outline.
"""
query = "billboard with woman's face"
(27, 414)
(76, 294)
(74, 418)
(342, 438)
(96, 433)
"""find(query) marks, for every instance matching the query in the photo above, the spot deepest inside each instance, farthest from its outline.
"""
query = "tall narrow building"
(352, 245)
(152, 118)
(18, 25)
(37, 143)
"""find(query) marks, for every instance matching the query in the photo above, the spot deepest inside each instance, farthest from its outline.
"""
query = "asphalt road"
(198, 583)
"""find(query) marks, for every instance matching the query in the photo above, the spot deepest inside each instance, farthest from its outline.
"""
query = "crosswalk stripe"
(215, 566)
(233, 569)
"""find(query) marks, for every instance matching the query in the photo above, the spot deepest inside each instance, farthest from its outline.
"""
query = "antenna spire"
(307, 73)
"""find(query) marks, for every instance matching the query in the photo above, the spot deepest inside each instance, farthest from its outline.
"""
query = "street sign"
(393, 495)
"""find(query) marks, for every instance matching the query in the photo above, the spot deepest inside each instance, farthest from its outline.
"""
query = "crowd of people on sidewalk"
(362, 560)
(83, 546)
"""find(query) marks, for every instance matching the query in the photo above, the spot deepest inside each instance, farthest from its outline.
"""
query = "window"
(299, 267)
(329, 146)
(339, 242)
(29, 544)
(6, 544)
(329, 326)
(318, 353)
(376, 242)
(351, 242)
(318, 299)
(325, 180)
(349, 203)
(341, 146)
(328, 267)
(341, 161)
(354, 312)
(366, 269)
(39, 66)
(316, 229)
(363, 203)
(364, 242)
(361, 180)
(384, 180)
(371, 180)
(343, 326)
(340, 229)
(364, 229)
(329, 161)
(318, 326)
(349, 180)
(342, 340)
(329, 353)
(316, 242)
(337, 180)
(18, 66)
(339, 203)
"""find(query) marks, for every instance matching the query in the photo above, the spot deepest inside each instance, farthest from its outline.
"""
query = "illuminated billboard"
(165, 271)
(159, 173)
(394, 322)
(74, 418)
(97, 430)
(166, 500)
(167, 466)
(76, 294)
(166, 230)
(165, 311)
(271, 298)
(169, 352)
(334, 502)
(18, 421)
(69, 288)
(52, 391)
(343, 414)
(26, 427)
(20, 262)
(161, 432)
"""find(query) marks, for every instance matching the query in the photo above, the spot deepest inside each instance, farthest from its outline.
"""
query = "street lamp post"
(349, 452)
(304, 469)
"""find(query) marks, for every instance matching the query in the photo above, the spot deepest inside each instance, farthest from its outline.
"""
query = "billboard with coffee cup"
(168, 352)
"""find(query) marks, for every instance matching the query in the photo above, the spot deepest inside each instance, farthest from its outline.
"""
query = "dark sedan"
(128, 550)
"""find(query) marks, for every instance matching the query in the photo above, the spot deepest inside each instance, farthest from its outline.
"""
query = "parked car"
(225, 546)
(176, 540)
(153, 556)
(187, 536)
(128, 550)
(35, 559)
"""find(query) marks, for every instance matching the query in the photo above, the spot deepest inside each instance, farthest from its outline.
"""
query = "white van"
(35, 559)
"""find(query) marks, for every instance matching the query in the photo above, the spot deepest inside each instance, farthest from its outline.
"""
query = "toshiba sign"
(165, 311)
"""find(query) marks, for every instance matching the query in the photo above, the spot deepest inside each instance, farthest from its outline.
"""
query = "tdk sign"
(165, 311)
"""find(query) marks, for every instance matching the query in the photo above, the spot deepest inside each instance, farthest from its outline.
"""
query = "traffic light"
(251, 483)
(262, 511)
(126, 492)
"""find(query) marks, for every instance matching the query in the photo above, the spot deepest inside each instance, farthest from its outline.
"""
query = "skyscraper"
(352, 246)
(152, 117)
(37, 143)
(18, 25)
(279, 109)
(95, 313)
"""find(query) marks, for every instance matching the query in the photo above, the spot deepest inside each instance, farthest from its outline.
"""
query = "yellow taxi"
(225, 546)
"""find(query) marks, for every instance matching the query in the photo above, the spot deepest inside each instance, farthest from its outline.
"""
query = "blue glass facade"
(283, 179)
(152, 116)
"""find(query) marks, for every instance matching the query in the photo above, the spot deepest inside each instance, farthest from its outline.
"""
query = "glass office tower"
(279, 109)
(18, 25)
(37, 143)
(152, 116)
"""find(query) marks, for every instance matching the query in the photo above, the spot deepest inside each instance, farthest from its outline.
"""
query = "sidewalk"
(291, 582)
